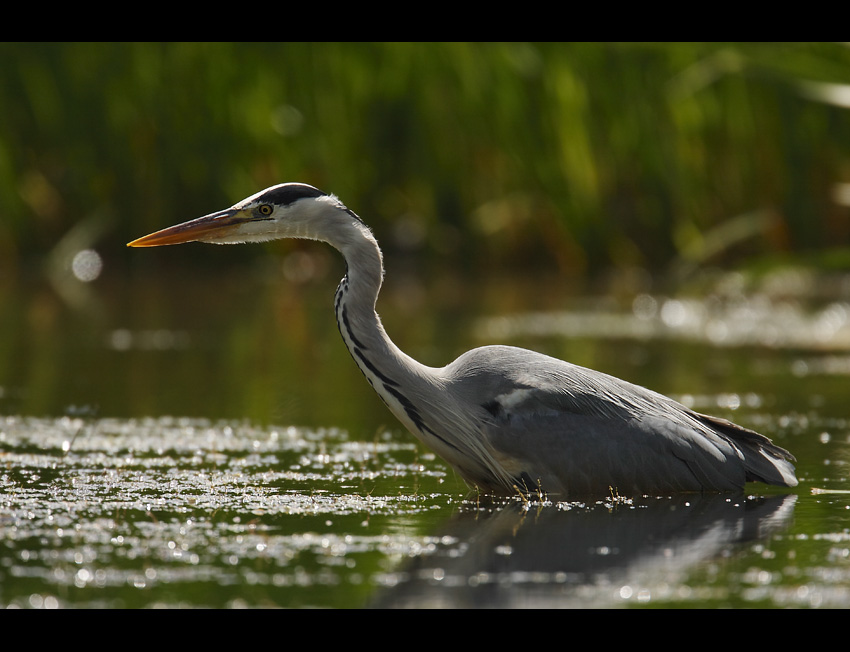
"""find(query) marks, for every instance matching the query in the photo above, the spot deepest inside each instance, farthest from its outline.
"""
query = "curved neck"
(414, 393)
(398, 379)
(364, 335)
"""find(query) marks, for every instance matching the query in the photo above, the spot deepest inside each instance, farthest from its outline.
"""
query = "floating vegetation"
(169, 502)
(177, 512)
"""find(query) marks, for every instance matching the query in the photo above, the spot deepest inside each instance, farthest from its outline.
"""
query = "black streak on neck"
(357, 350)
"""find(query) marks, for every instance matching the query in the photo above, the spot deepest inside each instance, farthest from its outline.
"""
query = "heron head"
(288, 210)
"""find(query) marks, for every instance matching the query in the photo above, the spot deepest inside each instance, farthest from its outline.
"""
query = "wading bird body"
(506, 419)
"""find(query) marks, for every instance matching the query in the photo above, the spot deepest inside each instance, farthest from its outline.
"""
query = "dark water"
(202, 438)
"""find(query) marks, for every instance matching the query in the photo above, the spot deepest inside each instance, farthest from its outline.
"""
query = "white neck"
(377, 356)
(414, 393)
(398, 379)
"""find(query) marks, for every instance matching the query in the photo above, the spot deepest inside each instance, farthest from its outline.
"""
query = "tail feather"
(764, 460)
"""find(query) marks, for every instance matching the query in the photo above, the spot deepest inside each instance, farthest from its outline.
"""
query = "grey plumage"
(507, 419)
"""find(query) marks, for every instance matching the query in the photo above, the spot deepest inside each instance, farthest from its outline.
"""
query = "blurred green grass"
(584, 156)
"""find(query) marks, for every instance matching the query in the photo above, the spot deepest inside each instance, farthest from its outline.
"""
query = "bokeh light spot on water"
(87, 265)
(719, 320)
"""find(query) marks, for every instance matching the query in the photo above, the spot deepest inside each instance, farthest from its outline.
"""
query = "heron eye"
(265, 209)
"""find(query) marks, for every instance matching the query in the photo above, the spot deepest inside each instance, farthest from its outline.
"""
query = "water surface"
(199, 441)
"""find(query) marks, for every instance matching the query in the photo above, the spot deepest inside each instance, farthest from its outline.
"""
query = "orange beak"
(207, 228)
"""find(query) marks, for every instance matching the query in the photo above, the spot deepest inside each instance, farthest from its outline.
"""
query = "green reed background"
(585, 155)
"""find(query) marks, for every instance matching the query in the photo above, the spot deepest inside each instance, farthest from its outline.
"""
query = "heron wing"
(567, 429)
(573, 444)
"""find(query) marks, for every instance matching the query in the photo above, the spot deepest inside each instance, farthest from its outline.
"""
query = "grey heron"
(507, 419)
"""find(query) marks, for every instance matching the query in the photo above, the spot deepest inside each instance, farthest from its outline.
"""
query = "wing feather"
(573, 430)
